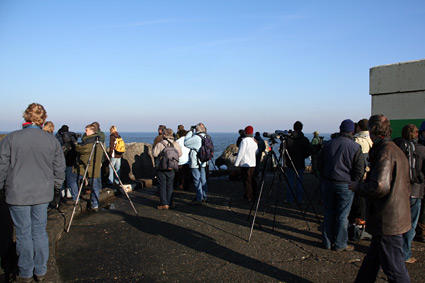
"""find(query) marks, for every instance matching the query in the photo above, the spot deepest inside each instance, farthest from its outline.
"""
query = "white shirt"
(247, 151)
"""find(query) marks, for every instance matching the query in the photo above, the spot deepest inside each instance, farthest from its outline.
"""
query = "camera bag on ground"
(119, 145)
(409, 149)
(169, 159)
(206, 151)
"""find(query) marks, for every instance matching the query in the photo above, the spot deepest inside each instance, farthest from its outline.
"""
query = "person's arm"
(358, 166)
(4, 160)
(241, 153)
(159, 147)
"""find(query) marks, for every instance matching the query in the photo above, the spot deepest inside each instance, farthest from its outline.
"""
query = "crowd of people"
(365, 178)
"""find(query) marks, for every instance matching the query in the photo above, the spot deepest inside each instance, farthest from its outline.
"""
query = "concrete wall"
(398, 92)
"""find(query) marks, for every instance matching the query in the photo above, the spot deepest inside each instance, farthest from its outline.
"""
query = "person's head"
(363, 124)
(168, 132)
(113, 129)
(241, 132)
(182, 133)
(161, 129)
(298, 126)
(200, 128)
(379, 127)
(97, 125)
(249, 130)
(347, 126)
(316, 133)
(257, 134)
(64, 129)
(49, 127)
(36, 114)
(180, 127)
(91, 129)
(410, 132)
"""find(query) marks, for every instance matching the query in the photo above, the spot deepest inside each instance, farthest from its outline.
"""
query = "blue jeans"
(337, 200)
(97, 185)
(386, 252)
(415, 208)
(116, 163)
(32, 243)
(200, 182)
(295, 185)
(71, 182)
(165, 186)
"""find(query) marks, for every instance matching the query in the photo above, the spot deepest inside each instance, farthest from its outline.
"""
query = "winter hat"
(249, 131)
(347, 126)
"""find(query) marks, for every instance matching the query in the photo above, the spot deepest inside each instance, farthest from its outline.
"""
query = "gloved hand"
(56, 199)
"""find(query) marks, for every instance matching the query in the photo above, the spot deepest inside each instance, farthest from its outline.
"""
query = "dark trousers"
(165, 186)
(420, 228)
(385, 252)
(249, 182)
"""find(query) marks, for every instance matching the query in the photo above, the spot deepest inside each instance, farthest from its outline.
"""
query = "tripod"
(93, 153)
(271, 155)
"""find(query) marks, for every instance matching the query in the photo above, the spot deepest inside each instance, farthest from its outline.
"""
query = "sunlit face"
(89, 132)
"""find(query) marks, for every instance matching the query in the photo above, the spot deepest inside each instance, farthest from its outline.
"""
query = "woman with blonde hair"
(115, 157)
(49, 127)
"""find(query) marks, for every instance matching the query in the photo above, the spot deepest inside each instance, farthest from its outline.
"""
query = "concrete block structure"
(398, 92)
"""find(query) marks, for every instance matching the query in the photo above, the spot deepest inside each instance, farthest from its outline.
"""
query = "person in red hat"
(246, 160)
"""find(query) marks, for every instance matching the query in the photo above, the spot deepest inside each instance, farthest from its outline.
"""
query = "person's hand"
(352, 186)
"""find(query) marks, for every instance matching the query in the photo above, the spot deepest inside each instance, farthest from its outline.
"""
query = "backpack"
(206, 151)
(119, 146)
(169, 159)
(409, 150)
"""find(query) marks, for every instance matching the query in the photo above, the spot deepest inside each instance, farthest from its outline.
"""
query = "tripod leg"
(119, 179)
(81, 187)
(263, 174)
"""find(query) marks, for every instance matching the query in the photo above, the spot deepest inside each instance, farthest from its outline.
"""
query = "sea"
(220, 140)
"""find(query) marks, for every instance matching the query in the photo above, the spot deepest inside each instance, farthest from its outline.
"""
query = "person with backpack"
(167, 151)
(116, 151)
(415, 153)
(201, 148)
(246, 160)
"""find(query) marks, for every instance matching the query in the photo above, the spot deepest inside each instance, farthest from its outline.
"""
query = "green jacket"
(84, 149)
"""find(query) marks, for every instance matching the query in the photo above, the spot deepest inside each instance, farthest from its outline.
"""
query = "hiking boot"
(411, 260)
(162, 207)
(348, 248)
(23, 279)
(39, 278)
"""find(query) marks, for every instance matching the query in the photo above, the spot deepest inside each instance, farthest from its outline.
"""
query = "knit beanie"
(347, 126)
(249, 131)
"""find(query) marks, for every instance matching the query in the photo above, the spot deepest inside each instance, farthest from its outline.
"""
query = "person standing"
(93, 172)
(316, 146)
(32, 170)
(299, 149)
(340, 162)
(166, 175)
(261, 148)
(415, 153)
(387, 189)
(246, 160)
(194, 142)
(183, 175)
(114, 156)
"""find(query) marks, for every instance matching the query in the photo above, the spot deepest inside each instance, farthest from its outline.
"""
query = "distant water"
(220, 140)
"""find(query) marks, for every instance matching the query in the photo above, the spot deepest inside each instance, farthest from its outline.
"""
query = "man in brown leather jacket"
(387, 189)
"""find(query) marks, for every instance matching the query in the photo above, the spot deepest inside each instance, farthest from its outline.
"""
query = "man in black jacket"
(299, 149)
(341, 161)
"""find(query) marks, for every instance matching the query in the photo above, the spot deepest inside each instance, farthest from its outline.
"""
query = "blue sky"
(137, 64)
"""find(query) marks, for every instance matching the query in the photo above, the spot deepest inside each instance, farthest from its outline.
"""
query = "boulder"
(137, 162)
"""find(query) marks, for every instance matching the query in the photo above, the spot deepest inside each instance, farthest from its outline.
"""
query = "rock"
(137, 162)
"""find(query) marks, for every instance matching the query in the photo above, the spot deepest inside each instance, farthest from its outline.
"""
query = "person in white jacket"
(246, 160)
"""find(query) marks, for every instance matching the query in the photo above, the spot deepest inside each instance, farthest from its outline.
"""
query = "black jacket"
(299, 149)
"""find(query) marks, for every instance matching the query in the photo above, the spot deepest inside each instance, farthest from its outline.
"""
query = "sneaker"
(411, 260)
(348, 248)
(162, 207)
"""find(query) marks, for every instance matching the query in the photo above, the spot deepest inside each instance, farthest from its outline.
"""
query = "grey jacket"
(32, 165)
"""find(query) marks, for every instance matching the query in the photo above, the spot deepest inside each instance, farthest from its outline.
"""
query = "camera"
(284, 133)
(270, 135)
(192, 127)
(70, 137)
